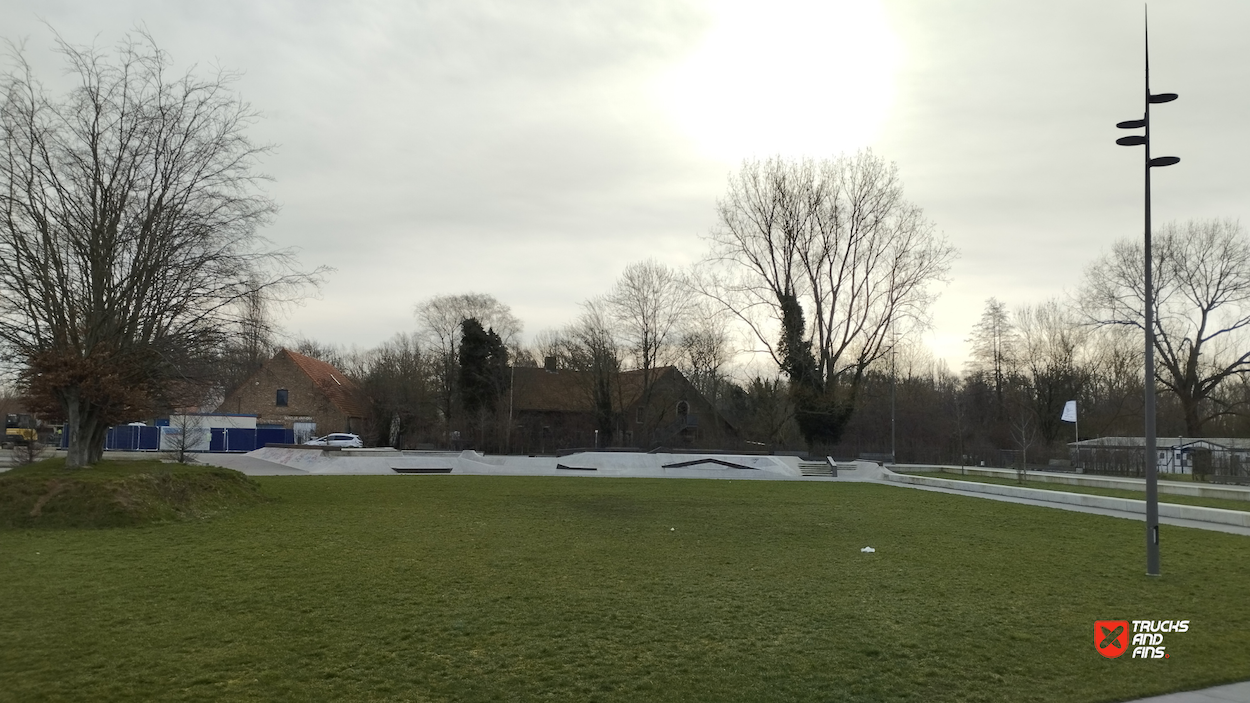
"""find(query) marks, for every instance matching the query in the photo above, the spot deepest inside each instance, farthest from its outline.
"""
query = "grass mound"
(118, 494)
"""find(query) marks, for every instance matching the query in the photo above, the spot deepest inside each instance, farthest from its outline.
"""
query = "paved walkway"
(1218, 527)
(1236, 692)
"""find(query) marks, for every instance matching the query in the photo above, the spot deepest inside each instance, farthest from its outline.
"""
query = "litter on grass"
(868, 550)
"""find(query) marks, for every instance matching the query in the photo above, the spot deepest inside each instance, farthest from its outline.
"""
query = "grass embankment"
(462, 588)
(118, 493)
(1224, 503)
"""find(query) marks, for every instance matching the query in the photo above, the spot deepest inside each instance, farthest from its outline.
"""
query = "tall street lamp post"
(1152, 465)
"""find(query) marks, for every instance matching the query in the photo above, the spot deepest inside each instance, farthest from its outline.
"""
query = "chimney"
(549, 363)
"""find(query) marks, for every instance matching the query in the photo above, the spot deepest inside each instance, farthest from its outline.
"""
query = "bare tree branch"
(1202, 308)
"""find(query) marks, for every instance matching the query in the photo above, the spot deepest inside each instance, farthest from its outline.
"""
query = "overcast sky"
(531, 149)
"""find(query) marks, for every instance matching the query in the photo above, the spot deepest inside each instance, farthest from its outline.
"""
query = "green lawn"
(451, 588)
(1224, 503)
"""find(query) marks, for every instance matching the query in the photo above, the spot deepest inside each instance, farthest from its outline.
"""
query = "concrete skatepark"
(614, 464)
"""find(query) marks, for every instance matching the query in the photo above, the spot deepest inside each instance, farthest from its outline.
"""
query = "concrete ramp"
(317, 460)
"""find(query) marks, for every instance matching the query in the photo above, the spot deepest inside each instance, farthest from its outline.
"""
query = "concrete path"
(1236, 692)
(975, 490)
(1184, 488)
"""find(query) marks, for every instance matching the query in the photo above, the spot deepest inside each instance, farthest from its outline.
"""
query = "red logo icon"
(1111, 637)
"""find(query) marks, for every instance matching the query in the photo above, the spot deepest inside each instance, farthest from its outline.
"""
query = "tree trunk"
(602, 397)
(1193, 423)
(86, 431)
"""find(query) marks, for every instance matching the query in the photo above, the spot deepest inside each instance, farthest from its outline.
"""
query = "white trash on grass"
(868, 550)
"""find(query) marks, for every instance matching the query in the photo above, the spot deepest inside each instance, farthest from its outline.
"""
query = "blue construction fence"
(135, 438)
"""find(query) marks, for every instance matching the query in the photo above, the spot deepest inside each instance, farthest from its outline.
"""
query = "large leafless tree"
(648, 306)
(129, 210)
(833, 243)
(1202, 308)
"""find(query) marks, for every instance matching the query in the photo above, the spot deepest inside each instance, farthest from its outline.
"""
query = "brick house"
(555, 409)
(300, 393)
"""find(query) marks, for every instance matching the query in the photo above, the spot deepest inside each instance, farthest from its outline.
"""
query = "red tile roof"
(339, 389)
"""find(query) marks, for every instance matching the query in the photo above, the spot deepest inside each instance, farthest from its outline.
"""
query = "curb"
(1169, 510)
(1199, 490)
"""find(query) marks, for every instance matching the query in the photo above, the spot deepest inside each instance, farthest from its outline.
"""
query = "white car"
(338, 439)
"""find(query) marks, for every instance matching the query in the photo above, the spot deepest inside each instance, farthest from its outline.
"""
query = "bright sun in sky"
(786, 77)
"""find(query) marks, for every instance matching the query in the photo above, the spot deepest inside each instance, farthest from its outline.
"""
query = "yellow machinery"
(19, 428)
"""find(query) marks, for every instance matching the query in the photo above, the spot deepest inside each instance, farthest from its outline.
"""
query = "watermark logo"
(1145, 637)
(1111, 637)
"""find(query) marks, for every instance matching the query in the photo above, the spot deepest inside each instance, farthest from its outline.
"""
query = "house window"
(638, 416)
(683, 408)
(281, 400)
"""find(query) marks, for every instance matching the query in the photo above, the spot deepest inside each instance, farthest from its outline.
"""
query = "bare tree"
(764, 411)
(255, 342)
(648, 305)
(256, 326)
(1052, 342)
(128, 219)
(552, 344)
(440, 320)
(184, 436)
(398, 377)
(1202, 309)
(704, 349)
(1024, 431)
(592, 349)
(833, 244)
(332, 354)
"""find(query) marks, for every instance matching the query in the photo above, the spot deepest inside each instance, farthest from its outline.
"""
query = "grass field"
(1223, 503)
(449, 588)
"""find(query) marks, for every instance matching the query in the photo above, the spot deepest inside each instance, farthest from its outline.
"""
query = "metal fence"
(1218, 465)
(135, 438)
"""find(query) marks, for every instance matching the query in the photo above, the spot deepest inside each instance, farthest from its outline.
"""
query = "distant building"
(1175, 455)
(554, 409)
(300, 393)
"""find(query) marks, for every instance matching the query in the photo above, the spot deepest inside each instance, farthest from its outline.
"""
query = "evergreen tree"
(483, 367)
(994, 346)
(820, 414)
